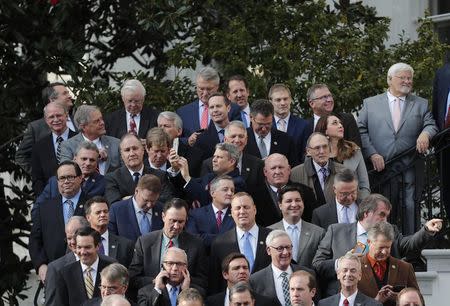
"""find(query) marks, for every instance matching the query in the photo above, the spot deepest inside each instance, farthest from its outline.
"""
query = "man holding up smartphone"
(171, 280)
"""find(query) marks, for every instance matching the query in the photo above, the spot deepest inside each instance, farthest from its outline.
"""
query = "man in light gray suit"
(92, 128)
(349, 274)
(391, 123)
(305, 236)
(341, 238)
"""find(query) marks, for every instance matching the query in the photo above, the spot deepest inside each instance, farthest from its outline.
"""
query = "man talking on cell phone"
(171, 280)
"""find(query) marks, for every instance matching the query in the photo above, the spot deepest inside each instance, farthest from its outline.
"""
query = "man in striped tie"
(80, 280)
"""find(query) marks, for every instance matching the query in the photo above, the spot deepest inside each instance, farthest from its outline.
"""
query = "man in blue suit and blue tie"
(214, 219)
(139, 214)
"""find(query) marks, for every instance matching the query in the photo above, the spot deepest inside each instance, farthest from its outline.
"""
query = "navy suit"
(280, 143)
(123, 222)
(297, 130)
(207, 140)
(202, 222)
(116, 122)
(191, 122)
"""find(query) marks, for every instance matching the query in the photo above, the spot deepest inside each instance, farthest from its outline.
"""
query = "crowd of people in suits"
(223, 202)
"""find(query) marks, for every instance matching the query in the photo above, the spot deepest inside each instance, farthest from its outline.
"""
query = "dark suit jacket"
(53, 277)
(251, 171)
(202, 222)
(47, 237)
(207, 140)
(262, 282)
(123, 222)
(399, 273)
(360, 300)
(94, 185)
(341, 238)
(194, 157)
(146, 263)
(325, 215)
(116, 122)
(71, 289)
(121, 249)
(441, 88)
(219, 300)
(280, 143)
(228, 243)
(119, 184)
(297, 130)
(191, 122)
(148, 296)
(43, 162)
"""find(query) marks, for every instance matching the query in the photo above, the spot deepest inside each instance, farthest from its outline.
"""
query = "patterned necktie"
(346, 303)
(70, 210)
(221, 135)
(219, 219)
(144, 223)
(285, 286)
(396, 114)
(262, 147)
(248, 251)
(204, 117)
(59, 139)
(136, 176)
(244, 118)
(324, 174)
(282, 125)
(170, 244)
(345, 217)
(101, 248)
(89, 283)
(173, 296)
(294, 238)
(133, 125)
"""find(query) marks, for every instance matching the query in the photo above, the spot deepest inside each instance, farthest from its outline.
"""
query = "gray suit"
(360, 300)
(111, 144)
(310, 237)
(341, 238)
(53, 278)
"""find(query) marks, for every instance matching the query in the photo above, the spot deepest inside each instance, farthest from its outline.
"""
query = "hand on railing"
(433, 225)
(423, 142)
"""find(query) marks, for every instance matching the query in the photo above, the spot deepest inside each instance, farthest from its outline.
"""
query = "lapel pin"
(261, 242)
(393, 266)
(156, 213)
(247, 169)
(365, 266)
(93, 180)
(113, 246)
(275, 143)
(81, 206)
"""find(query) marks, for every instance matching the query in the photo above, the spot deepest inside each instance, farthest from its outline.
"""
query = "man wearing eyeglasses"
(173, 278)
(47, 241)
(279, 248)
(390, 124)
(321, 102)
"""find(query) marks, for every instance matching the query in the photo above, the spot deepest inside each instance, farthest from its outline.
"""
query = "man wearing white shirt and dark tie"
(302, 288)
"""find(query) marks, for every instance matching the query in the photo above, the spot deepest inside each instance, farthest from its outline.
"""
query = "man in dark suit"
(195, 115)
(305, 236)
(150, 249)
(321, 102)
(318, 170)
(170, 281)
(344, 208)
(89, 120)
(284, 120)
(391, 123)
(173, 125)
(342, 238)
(218, 109)
(441, 114)
(38, 129)
(273, 281)
(302, 288)
(235, 269)
(250, 167)
(141, 213)
(238, 92)
(47, 238)
(119, 248)
(276, 174)
(382, 274)
(93, 183)
(80, 280)
(247, 238)
(52, 277)
(46, 153)
(134, 117)
(121, 183)
(264, 140)
(212, 220)
(349, 274)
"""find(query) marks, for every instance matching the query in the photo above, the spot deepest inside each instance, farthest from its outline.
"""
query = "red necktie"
(170, 244)
(204, 118)
(378, 270)
(219, 219)
(132, 125)
(346, 303)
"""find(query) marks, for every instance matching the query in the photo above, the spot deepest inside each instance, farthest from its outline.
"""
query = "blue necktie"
(144, 223)
(173, 296)
(244, 118)
(248, 251)
(294, 237)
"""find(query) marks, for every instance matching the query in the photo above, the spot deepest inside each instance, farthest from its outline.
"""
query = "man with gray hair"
(89, 120)
(390, 124)
(115, 300)
(383, 276)
(195, 115)
(134, 117)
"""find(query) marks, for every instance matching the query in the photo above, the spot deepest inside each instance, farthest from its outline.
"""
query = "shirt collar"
(286, 224)
(105, 236)
(253, 231)
(391, 97)
(247, 109)
(74, 199)
(140, 171)
(64, 135)
(137, 116)
(317, 166)
(224, 211)
(373, 261)
(360, 229)
(94, 266)
(351, 298)
(286, 120)
(96, 141)
(277, 272)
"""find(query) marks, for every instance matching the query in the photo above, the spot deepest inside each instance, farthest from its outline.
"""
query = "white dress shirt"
(279, 282)
(105, 242)
(350, 299)
(267, 139)
(94, 270)
(137, 120)
(351, 212)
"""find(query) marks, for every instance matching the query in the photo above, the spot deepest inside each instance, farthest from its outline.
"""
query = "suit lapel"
(106, 144)
(367, 274)
(195, 110)
(113, 245)
(123, 125)
(227, 221)
(386, 111)
(333, 216)
(132, 218)
(305, 236)
(128, 180)
(273, 141)
(260, 248)
(245, 170)
(393, 271)
(144, 123)
(409, 103)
